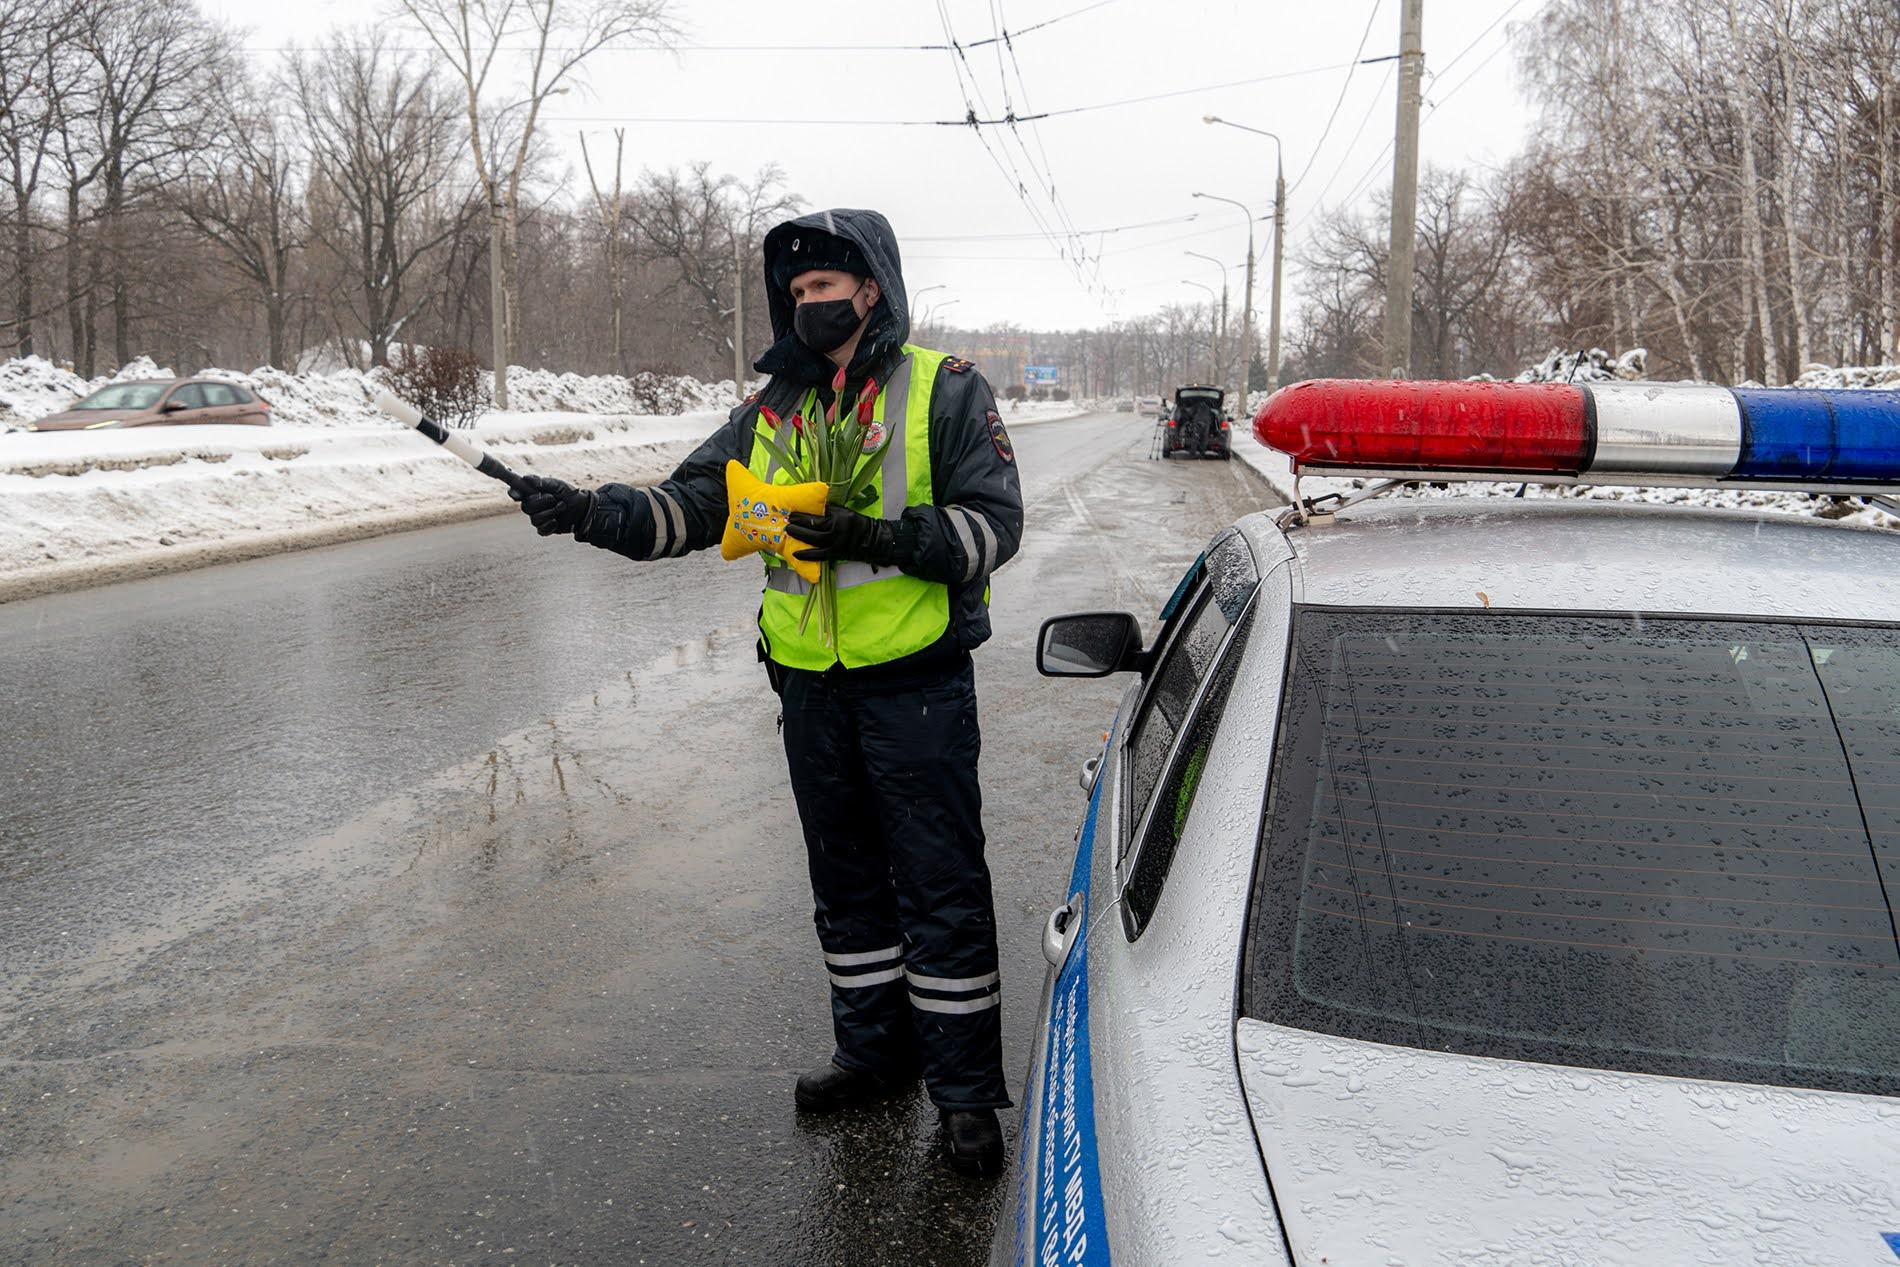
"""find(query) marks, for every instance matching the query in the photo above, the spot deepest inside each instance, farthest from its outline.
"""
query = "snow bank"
(1872, 376)
(82, 507)
(79, 508)
(1593, 366)
(32, 386)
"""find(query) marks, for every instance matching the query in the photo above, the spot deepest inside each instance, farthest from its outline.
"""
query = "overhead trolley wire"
(967, 120)
(1449, 93)
(739, 48)
(1351, 66)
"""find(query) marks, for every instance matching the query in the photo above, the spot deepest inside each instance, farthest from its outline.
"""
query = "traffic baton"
(473, 454)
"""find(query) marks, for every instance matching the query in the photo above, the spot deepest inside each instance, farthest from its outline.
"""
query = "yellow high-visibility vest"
(883, 614)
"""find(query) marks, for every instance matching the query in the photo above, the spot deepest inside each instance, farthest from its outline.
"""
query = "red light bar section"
(1426, 426)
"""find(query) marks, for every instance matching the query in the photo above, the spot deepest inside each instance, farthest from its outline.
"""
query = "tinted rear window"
(1663, 846)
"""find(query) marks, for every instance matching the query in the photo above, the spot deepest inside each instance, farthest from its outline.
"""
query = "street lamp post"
(930, 313)
(1279, 238)
(1246, 307)
(1221, 337)
(1213, 350)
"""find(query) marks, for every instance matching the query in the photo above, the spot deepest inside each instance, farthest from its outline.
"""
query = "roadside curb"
(1248, 473)
(87, 573)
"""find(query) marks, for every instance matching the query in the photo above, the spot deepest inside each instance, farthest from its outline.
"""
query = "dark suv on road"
(1198, 426)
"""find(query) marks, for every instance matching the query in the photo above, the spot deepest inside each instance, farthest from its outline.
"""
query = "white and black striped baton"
(470, 452)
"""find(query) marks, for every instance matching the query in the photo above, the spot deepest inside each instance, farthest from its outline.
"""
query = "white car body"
(1163, 1126)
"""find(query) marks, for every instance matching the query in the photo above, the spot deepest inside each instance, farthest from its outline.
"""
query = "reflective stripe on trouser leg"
(920, 746)
(855, 907)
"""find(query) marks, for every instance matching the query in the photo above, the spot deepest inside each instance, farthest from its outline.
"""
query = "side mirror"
(1088, 644)
(173, 407)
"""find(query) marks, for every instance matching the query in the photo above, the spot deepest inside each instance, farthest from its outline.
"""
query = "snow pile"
(81, 507)
(644, 393)
(1592, 366)
(31, 387)
(1870, 376)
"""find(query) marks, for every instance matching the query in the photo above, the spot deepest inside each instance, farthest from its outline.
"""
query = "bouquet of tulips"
(843, 449)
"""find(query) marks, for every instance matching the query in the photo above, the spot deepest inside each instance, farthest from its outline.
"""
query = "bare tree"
(612, 208)
(245, 197)
(151, 60)
(35, 49)
(382, 142)
(473, 35)
(690, 221)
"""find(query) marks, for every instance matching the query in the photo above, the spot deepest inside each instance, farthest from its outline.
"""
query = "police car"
(1492, 880)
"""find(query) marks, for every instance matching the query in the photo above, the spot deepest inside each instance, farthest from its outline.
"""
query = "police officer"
(881, 736)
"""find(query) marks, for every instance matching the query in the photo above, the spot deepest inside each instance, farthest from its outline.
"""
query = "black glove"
(553, 505)
(842, 533)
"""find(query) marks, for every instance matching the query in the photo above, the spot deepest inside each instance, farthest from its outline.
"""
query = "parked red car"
(175, 402)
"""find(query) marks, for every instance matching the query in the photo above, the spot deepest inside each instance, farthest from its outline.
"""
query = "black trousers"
(885, 775)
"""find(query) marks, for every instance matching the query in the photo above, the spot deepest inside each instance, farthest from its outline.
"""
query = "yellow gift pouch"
(756, 517)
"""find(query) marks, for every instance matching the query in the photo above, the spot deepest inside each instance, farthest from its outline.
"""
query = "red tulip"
(837, 381)
(798, 423)
(771, 419)
(867, 401)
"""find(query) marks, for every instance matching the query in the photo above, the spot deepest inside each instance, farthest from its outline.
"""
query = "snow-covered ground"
(1278, 471)
(31, 387)
(80, 508)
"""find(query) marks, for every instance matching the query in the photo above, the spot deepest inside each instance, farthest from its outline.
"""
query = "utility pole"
(1279, 237)
(1398, 286)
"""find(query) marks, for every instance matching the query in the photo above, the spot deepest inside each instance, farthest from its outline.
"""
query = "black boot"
(833, 1087)
(973, 1141)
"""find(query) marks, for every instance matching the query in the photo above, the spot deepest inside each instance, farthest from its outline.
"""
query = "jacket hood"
(889, 323)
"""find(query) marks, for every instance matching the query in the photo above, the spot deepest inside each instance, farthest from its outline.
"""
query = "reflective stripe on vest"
(882, 613)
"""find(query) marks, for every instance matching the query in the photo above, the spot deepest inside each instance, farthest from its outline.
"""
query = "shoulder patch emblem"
(750, 399)
(957, 365)
(1000, 437)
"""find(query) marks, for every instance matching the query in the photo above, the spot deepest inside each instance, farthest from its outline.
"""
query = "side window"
(1161, 833)
(1185, 662)
(191, 396)
(219, 394)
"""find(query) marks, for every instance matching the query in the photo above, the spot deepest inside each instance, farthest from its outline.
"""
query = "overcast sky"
(959, 218)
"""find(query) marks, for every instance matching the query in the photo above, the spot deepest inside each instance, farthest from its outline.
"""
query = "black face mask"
(827, 325)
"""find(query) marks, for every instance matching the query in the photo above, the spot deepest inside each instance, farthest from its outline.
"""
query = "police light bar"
(1678, 434)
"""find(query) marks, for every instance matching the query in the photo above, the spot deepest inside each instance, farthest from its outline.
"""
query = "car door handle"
(1090, 769)
(1059, 933)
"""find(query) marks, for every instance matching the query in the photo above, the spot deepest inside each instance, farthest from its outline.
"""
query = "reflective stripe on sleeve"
(959, 520)
(989, 541)
(662, 526)
(676, 518)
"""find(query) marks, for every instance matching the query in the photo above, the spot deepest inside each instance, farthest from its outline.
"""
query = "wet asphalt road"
(439, 899)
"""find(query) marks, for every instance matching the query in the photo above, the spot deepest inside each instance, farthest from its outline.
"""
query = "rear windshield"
(1655, 845)
(123, 396)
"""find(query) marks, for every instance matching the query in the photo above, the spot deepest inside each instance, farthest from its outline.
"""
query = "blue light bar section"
(1790, 434)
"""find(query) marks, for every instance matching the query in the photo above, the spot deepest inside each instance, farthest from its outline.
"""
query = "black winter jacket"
(972, 466)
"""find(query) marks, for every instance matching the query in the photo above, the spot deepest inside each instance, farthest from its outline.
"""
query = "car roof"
(1574, 555)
